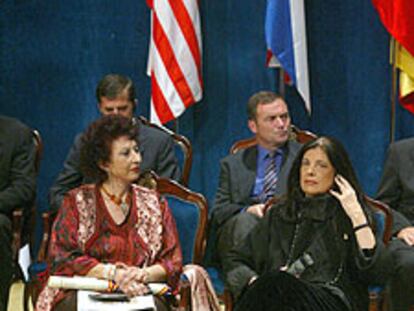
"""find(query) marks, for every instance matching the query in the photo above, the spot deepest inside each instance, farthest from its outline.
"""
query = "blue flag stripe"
(279, 38)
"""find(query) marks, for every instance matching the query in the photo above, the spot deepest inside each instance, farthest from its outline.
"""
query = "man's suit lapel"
(291, 151)
(249, 158)
(250, 162)
(141, 136)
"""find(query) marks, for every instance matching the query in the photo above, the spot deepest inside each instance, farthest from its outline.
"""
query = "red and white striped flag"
(174, 60)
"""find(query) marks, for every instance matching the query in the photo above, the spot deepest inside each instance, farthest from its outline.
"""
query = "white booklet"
(87, 303)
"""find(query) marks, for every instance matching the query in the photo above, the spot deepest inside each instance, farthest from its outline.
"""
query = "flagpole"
(175, 126)
(282, 87)
(393, 47)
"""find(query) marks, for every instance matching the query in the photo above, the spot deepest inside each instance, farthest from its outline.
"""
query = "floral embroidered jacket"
(85, 234)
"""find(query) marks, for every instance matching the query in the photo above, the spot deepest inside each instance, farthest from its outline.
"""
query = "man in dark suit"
(116, 95)
(397, 190)
(246, 179)
(17, 189)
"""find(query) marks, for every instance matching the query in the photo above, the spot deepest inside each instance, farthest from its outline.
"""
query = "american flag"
(174, 61)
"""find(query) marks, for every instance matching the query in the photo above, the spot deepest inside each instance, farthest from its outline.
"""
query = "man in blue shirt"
(251, 176)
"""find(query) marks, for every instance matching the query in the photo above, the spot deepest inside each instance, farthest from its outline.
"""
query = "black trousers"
(402, 282)
(279, 291)
(232, 232)
(6, 261)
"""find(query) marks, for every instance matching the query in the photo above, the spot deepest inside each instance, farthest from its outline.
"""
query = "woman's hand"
(407, 235)
(349, 201)
(256, 209)
(136, 289)
(131, 280)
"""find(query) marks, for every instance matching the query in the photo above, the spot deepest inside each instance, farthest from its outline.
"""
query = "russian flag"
(286, 39)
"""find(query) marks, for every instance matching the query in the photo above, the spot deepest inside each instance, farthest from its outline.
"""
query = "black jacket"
(324, 232)
(17, 169)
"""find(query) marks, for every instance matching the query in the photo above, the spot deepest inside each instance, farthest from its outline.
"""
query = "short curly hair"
(97, 142)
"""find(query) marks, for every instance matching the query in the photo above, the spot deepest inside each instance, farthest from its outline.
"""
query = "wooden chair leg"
(26, 297)
(228, 300)
(374, 302)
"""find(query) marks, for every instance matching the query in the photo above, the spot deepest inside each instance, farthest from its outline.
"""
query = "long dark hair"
(339, 159)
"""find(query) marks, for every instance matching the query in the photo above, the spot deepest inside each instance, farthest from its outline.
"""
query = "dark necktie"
(271, 174)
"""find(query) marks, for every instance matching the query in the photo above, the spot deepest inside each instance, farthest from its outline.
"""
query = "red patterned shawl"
(84, 234)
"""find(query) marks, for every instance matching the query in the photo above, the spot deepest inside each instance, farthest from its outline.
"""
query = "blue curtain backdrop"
(52, 54)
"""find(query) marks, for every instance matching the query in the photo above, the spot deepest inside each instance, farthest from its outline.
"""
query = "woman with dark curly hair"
(315, 250)
(112, 229)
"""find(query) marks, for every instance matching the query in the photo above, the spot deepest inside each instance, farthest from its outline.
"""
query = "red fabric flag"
(174, 60)
(398, 18)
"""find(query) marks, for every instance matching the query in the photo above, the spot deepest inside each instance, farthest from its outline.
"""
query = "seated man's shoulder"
(11, 125)
(240, 155)
(294, 145)
(14, 132)
(404, 144)
(156, 135)
(77, 141)
(250, 153)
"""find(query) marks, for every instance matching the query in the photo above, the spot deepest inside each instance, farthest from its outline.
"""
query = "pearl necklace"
(123, 205)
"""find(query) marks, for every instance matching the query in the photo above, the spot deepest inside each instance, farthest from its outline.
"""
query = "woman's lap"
(276, 291)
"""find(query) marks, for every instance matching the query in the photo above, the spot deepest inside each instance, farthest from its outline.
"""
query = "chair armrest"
(17, 225)
(47, 226)
(228, 299)
(185, 295)
(377, 297)
(39, 267)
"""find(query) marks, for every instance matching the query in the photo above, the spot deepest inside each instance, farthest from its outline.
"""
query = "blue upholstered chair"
(183, 150)
(190, 211)
(383, 218)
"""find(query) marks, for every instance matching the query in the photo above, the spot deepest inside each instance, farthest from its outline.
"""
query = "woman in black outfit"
(315, 249)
